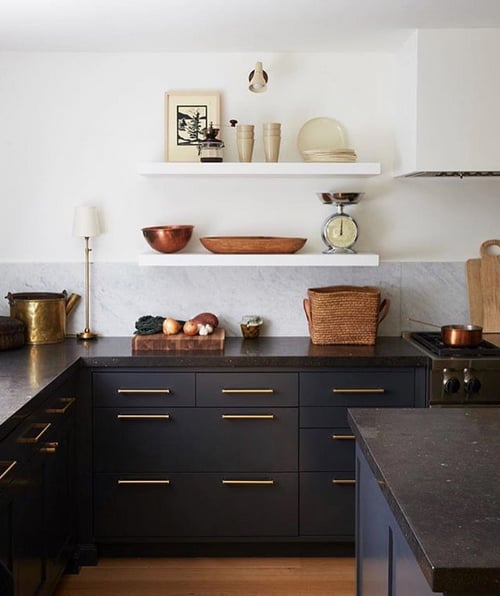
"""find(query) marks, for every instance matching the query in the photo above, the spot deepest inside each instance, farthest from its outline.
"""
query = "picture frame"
(187, 114)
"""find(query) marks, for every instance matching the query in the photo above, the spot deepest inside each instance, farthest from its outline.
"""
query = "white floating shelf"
(280, 169)
(152, 259)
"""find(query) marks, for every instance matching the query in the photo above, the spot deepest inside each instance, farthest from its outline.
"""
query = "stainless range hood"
(447, 94)
(435, 174)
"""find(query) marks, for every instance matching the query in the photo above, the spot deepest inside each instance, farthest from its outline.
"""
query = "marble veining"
(122, 292)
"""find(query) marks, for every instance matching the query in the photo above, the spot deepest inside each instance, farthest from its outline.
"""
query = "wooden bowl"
(168, 238)
(252, 244)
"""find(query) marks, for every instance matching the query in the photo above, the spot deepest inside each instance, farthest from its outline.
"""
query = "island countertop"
(26, 371)
(438, 470)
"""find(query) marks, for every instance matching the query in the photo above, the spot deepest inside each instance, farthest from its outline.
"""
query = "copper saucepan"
(458, 336)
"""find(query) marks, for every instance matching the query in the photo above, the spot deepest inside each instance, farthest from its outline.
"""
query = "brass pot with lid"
(43, 314)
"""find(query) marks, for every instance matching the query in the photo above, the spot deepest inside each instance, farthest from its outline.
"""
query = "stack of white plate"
(339, 155)
(323, 139)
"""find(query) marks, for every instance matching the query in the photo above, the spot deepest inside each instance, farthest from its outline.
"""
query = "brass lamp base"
(86, 334)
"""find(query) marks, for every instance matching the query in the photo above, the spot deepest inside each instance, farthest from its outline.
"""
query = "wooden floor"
(271, 576)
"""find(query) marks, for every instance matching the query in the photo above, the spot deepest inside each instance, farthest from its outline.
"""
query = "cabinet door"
(324, 449)
(59, 500)
(6, 538)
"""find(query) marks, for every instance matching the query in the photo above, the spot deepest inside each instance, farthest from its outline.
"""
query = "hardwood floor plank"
(294, 576)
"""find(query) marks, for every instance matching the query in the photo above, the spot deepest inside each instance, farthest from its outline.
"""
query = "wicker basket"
(344, 314)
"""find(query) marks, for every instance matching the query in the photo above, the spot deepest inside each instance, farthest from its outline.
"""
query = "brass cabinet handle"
(8, 467)
(344, 481)
(343, 437)
(50, 447)
(247, 416)
(377, 390)
(247, 482)
(164, 482)
(68, 401)
(134, 391)
(143, 416)
(40, 427)
(246, 391)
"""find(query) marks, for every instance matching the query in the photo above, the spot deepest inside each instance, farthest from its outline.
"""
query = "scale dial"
(339, 233)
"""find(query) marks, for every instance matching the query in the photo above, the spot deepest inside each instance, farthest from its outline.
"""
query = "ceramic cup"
(245, 141)
(272, 140)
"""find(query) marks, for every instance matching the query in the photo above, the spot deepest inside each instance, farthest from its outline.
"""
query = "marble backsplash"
(122, 292)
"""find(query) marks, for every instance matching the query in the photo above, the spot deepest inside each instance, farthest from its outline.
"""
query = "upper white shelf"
(258, 260)
(255, 169)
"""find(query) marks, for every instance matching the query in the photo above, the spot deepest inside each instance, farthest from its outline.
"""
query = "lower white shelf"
(152, 259)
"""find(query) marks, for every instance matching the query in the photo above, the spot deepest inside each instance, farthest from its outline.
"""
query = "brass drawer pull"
(9, 465)
(247, 391)
(150, 391)
(143, 416)
(248, 482)
(164, 482)
(50, 447)
(343, 437)
(248, 416)
(344, 481)
(68, 401)
(377, 390)
(40, 427)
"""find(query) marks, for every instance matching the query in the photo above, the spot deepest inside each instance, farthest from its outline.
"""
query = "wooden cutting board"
(178, 342)
(483, 288)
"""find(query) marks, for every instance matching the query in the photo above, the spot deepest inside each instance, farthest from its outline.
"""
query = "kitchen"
(81, 118)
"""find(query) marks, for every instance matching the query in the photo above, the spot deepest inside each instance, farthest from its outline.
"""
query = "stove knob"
(472, 385)
(451, 385)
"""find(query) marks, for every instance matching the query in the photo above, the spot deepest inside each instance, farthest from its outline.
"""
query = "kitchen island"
(428, 501)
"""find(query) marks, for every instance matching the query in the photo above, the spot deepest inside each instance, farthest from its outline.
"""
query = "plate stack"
(341, 154)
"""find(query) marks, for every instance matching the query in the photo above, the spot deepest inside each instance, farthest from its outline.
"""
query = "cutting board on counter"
(483, 288)
(179, 342)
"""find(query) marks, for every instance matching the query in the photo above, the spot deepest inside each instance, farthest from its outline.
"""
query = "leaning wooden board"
(179, 342)
(483, 287)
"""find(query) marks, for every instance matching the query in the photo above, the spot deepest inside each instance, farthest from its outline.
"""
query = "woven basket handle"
(307, 310)
(384, 309)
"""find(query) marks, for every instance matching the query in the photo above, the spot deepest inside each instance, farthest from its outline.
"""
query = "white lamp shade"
(86, 222)
(258, 79)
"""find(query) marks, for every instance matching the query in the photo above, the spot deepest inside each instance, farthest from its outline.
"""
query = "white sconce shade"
(258, 79)
(86, 222)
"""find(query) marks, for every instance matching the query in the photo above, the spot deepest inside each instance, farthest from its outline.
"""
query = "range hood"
(447, 97)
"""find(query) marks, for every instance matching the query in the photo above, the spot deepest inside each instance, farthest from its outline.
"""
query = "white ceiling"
(230, 25)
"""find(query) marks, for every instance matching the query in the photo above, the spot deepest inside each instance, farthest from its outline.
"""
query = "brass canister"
(43, 314)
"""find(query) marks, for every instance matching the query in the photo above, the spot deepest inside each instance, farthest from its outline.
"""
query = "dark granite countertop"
(26, 371)
(438, 469)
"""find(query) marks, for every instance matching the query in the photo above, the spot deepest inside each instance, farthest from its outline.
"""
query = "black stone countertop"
(438, 469)
(26, 371)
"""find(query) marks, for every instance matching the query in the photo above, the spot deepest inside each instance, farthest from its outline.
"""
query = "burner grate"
(431, 340)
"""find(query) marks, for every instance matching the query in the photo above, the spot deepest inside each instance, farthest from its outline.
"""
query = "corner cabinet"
(259, 170)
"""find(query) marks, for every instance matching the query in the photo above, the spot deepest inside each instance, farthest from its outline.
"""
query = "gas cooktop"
(431, 340)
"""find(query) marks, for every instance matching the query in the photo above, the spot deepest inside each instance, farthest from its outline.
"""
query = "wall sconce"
(86, 225)
(258, 79)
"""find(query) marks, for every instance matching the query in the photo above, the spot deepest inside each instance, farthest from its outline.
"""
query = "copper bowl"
(167, 238)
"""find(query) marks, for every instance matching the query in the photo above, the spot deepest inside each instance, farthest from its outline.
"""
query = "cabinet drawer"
(247, 389)
(175, 505)
(143, 389)
(327, 504)
(195, 439)
(323, 417)
(358, 388)
(323, 449)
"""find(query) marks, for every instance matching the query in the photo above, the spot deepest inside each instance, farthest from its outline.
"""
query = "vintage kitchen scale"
(340, 230)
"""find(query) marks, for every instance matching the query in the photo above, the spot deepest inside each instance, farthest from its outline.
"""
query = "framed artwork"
(187, 115)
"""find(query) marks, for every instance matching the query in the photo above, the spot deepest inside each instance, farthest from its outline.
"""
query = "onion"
(190, 328)
(171, 326)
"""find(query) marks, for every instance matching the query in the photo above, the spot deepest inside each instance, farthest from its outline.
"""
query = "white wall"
(75, 126)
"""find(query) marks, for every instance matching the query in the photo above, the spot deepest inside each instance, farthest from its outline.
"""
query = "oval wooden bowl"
(252, 244)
